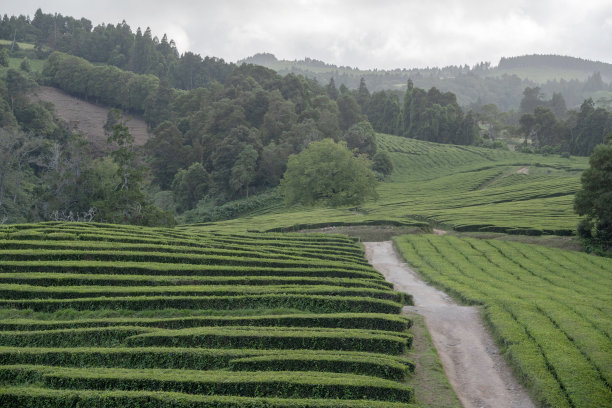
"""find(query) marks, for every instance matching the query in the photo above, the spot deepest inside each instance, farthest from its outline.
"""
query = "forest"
(221, 132)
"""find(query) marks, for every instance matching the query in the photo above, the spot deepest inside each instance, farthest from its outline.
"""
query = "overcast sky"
(381, 34)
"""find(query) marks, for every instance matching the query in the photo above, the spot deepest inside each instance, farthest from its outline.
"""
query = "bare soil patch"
(472, 362)
(523, 170)
(87, 118)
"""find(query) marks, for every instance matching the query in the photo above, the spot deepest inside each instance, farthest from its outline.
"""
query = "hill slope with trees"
(481, 84)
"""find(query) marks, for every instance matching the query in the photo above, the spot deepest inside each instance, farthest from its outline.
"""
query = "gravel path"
(473, 365)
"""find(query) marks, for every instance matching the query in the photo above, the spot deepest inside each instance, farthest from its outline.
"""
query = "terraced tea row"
(363, 363)
(461, 187)
(368, 321)
(549, 309)
(35, 396)
(320, 330)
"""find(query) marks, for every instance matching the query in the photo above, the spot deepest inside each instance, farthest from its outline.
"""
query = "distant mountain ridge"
(557, 61)
(575, 78)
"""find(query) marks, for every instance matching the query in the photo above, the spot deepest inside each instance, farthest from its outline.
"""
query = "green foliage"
(167, 153)
(381, 365)
(592, 126)
(262, 316)
(104, 84)
(29, 396)
(190, 186)
(593, 199)
(243, 171)
(25, 65)
(4, 57)
(361, 138)
(462, 187)
(381, 162)
(328, 173)
(366, 321)
(268, 384)
(546, 308)
(206, 211)
(350, 111)
(434, 116)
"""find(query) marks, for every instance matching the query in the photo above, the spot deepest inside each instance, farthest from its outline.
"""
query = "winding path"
(477, 372)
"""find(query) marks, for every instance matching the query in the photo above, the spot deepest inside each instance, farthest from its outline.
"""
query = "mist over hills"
(503, 85)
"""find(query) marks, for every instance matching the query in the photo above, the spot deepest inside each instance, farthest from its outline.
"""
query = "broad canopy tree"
(328, 173)
(594, 200)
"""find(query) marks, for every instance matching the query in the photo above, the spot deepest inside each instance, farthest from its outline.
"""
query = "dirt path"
(523, 170)
(472, 362)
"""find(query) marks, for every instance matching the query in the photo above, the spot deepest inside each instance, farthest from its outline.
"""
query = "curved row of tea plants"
(461, 187)
(114, 316)
(549, 309)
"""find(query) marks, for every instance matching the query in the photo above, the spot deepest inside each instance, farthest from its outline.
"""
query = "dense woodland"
(222, 132)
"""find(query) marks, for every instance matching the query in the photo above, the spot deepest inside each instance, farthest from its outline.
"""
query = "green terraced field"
(549, 309)
(461, 187)
(105, 315)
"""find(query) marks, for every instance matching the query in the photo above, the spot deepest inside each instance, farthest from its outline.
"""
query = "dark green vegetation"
(595, 198)
(223, 133)
(482, 84)
(330, 174)
(548, 309)
(550, 128)
(455, 187)
(103, 314)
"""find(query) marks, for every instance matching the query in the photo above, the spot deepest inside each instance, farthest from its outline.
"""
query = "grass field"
(96, 314)
(549, 309)
(461, 187)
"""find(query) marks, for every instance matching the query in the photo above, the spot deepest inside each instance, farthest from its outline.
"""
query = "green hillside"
(111, 315)
(461, 187)
(481, 84)
(549, 310)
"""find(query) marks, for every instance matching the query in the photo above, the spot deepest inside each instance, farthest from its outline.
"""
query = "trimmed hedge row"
(282, 244)
(214, 337)
(44, 397)
(150, 268)
(14, 291)
(311, 303)
(377, 365)
(275, 338)
(161, 257)
(73, 279)
(153, 246)
(99, 336)
(345, 351)
(364, 365)
(278, 384)
(371, 321)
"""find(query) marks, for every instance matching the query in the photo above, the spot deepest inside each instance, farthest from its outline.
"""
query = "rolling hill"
(459, 187)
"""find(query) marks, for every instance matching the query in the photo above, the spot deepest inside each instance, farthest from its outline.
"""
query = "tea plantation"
(105, 315)
(464, 188)
(549, 309)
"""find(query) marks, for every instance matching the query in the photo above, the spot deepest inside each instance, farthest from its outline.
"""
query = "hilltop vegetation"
(462, 187)
(475, 86)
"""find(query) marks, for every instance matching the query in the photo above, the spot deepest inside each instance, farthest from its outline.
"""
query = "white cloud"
(380, 34)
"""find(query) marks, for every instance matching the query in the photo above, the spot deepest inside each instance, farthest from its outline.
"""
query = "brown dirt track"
(472, 362)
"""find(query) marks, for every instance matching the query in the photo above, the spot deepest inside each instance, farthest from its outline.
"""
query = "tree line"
(550, 127)
(115, 45)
